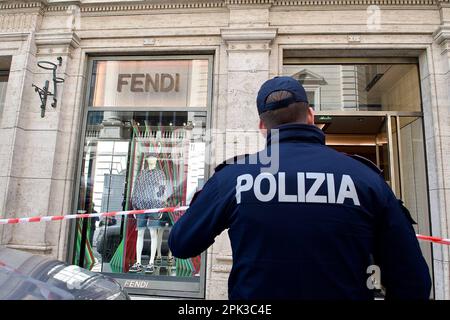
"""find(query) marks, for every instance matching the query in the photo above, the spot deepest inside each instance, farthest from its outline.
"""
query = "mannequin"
(151, 190)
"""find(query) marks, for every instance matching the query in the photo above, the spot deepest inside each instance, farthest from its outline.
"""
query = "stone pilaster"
(17, 25)
(247, 51)
(65, 133)
(38, 157)
(437, 133)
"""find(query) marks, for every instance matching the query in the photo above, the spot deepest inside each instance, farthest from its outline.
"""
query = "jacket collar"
(297, 132)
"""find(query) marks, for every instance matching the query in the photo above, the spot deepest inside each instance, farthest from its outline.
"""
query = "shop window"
(144, 155)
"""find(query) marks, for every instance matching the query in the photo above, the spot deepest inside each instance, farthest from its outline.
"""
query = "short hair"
(296, 112)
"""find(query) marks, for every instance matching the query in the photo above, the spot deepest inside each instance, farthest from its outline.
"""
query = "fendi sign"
(140, 82)
(150, 83)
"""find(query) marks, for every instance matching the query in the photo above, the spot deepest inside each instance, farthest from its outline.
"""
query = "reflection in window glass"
(139, 160)
(3, 85)
(414, 179)
(359, 87)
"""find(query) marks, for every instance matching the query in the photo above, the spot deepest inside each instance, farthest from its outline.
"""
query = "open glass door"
(409, 169)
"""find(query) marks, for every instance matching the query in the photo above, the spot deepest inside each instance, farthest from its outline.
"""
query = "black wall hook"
(43, 92)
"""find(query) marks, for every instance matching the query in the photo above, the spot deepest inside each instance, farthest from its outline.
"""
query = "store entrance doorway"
(394, 142)
(362, 135)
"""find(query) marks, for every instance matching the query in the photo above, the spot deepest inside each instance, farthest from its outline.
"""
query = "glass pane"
(383, 152)
(139, 160)
(395, 182)
(3, 85)
(150, 83)
(414, 180)
(369, 87)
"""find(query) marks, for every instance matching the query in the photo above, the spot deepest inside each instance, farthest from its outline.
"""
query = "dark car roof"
(27, 276)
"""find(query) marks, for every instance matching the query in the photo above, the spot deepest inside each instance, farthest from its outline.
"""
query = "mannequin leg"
(169, 254)
(140, 244)
(160, 236)
(170, 259)
(154, 244)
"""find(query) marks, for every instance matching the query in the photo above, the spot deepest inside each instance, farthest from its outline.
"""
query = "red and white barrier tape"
(433, 239)
(158, 210)
(90, 215)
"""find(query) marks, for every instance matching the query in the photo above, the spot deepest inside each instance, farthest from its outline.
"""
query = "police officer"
(312, 229)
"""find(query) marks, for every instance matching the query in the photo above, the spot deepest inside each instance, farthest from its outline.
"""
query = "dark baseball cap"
(280, 84)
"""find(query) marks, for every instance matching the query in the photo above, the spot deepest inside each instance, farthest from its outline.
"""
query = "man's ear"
(310, 116)
(262, 125)
(262, 128)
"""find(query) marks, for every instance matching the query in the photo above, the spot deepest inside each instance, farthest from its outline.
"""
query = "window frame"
(169, 290)
(315, 89)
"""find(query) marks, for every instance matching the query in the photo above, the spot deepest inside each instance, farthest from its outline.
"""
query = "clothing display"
(151, 190)
(149, 167)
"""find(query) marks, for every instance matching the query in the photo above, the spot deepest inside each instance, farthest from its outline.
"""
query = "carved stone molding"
(42, 249)
(155, 6)
(20, 5)
(442, 34)
(17, 22)
(246, 34)
(442, 38)
(20, 16)
(226, 258)
(14, 36)
(56, 43)
(356, 2)
(113, 6)
(138, 6)
(223, 264)
(57, 8)
(248, 39)
(220, 268)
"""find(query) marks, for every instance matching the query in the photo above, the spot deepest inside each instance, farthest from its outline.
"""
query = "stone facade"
(38, 157)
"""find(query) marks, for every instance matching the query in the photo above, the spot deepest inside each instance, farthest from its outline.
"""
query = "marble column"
(247, 50)
(39, 154)
(436, 80)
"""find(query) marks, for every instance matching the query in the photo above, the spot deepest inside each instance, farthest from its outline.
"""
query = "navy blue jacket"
(309, 230)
